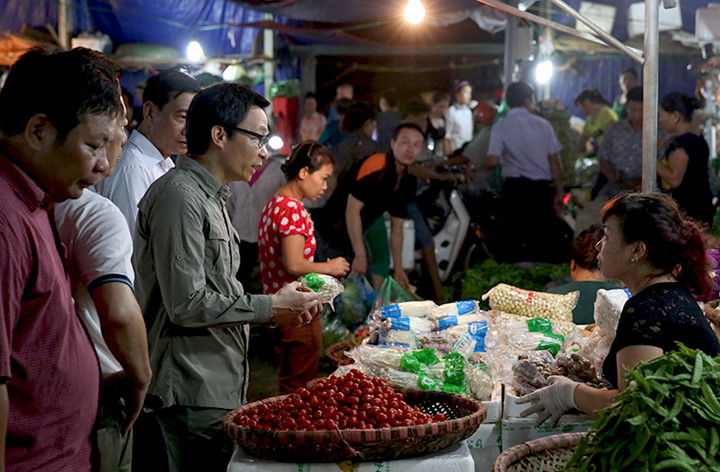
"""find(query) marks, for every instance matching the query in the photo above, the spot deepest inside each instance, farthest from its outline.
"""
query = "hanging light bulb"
(414, 12)
(195, 51)
(544, 72)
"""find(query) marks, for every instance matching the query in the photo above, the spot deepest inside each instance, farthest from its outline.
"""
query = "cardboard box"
(519, 430)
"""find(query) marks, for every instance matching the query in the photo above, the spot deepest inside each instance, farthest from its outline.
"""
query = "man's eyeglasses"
(260, 139)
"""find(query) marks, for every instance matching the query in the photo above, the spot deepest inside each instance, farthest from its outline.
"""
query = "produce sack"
(608, 307)
(391, 292)
(521, 302)
(356, 301)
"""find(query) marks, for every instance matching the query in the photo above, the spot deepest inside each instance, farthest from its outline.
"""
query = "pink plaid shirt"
(46, 358)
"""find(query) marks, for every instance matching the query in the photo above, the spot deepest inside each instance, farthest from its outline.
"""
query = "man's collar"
(205, 179)
(23, 184)
(146, 146)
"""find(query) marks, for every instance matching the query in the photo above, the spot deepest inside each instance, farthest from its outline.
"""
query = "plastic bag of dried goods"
(521, 302)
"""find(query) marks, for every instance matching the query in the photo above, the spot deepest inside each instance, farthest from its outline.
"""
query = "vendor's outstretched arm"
(355, 233)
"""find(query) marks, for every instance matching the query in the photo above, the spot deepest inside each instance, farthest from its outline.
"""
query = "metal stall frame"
(648, 58)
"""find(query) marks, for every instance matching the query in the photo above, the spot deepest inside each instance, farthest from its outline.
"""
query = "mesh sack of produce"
(521, 302)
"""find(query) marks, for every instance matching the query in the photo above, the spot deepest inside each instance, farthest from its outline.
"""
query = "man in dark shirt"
(378, 184)
(54, 135)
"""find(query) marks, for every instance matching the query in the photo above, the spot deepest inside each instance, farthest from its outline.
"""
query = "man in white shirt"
(459, 119)
(526, 148)
(161, 134)
(99, 248)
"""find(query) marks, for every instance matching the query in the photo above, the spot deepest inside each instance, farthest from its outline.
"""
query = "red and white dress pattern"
(283, 216)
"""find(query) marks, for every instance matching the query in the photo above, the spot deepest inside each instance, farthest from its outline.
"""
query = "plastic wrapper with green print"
(327, 286)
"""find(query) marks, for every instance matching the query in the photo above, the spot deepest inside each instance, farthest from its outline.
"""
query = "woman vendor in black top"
(684, 169)
(659, 254)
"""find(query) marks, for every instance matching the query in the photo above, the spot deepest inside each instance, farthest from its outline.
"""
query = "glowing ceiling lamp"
(414, 12)
(544, 72)
(195, 51)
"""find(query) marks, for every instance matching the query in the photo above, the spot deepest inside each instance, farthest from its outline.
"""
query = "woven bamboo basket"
(547, 454)
(336, 352)
(464, 416)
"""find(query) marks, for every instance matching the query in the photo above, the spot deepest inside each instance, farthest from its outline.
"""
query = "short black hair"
(517, 93)
(440, 97)
(594, 95)
(223, 104)
(168, 85)
(86, 82)
(403, 126)
(413, 107)
(635, 94)
(343, 105)
(630, 71)
(310, 95)
(356, 116)
(390, 95)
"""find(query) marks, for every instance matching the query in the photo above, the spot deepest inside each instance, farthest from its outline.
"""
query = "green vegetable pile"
(666, 419)
(481, 278)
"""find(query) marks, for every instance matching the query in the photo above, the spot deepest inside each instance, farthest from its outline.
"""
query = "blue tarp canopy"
(226, 27)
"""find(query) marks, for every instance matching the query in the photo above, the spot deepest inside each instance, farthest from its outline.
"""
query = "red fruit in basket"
(352, 400)
(439, 417)
(303, 393)
(384, 425)
(313, 402)
(381, 417)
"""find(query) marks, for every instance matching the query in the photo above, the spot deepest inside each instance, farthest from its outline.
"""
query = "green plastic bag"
(391, 292)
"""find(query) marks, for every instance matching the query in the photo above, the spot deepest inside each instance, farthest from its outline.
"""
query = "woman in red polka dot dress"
(286, 242)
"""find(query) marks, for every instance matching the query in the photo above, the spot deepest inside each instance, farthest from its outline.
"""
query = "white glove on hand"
(295, 305)
(551, 401)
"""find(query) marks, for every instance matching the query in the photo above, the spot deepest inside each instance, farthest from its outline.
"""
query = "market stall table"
(456, 458)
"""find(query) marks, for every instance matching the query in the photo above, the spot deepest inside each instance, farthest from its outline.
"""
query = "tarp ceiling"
(225, 27)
